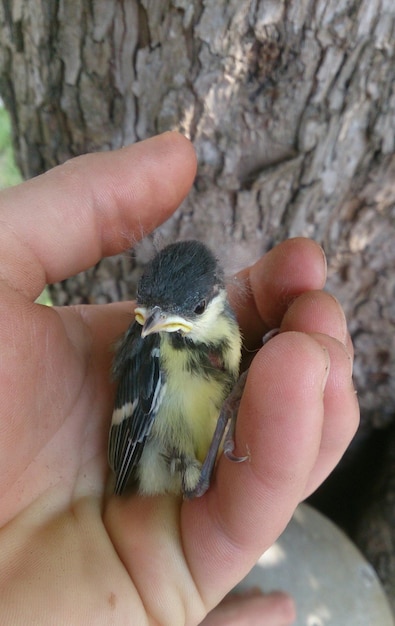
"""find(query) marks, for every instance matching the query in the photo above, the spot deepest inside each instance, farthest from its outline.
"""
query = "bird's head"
(182, 290)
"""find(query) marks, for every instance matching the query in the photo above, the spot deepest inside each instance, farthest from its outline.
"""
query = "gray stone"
(331, 582)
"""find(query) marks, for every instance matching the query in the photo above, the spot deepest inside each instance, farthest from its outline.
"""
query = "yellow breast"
(192, 400)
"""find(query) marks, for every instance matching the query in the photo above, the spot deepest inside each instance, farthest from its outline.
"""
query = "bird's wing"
(139, 393)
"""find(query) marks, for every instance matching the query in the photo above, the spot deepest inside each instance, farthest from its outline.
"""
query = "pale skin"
(69, 553)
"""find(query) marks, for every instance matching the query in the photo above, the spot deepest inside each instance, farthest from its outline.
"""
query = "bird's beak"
(155, 321)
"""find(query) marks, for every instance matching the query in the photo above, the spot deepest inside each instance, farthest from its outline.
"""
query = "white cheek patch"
(205, 327)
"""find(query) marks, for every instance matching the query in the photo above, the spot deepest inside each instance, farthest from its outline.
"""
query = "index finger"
(96, 205)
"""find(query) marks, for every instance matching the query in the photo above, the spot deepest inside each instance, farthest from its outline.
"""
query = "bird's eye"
(201, 307)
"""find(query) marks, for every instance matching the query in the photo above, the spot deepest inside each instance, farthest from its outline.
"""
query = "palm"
(58, 396)
(103, 559)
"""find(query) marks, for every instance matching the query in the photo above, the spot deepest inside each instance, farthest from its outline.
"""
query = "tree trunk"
(291, 108)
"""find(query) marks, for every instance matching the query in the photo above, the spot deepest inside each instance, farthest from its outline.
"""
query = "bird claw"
(269, 335)
(198, 491)
(229, 446)
(234, 458)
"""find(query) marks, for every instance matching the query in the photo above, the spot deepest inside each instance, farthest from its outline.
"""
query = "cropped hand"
(69, 553)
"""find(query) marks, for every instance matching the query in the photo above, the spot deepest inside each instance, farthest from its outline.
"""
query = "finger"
(318, 312)
(262, 293)
(95, 205)
(253, 608)
(341, 412)
(280, 423)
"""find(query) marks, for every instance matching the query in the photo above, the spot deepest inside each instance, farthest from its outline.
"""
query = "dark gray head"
(181, 279)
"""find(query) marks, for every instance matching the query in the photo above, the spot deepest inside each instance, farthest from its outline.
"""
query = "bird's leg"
(234, 402)
(208, 464)
(227, 415)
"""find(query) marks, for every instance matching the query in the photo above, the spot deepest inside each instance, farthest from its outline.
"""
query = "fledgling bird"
(175, 366)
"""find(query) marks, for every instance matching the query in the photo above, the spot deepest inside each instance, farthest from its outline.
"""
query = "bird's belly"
(181, 435)
(188, 414)
(184, 425)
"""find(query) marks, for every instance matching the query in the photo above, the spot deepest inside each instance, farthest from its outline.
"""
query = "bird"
(175, 368)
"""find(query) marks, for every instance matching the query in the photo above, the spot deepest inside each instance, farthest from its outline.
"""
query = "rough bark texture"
(291, 108)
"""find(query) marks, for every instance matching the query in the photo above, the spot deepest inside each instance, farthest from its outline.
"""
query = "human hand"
(70, 555)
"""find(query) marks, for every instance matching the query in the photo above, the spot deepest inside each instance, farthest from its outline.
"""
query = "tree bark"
(291, 108)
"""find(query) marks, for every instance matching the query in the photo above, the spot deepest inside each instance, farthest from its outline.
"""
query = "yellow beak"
(155, 321)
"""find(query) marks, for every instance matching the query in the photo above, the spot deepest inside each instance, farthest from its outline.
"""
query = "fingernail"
(327, 368)
(324, 258)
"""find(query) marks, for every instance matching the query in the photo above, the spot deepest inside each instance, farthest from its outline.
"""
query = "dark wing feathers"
(140, 385)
